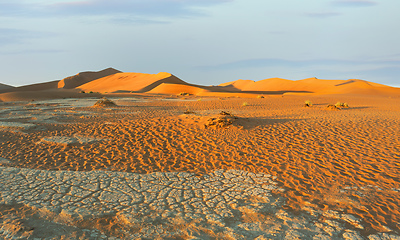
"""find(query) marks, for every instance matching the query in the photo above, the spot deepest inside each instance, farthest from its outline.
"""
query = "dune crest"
(85, 77)
(4, 86)
(130, 82)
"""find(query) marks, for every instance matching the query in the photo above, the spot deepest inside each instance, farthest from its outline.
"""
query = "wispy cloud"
(353, 3)
(116, 8)
(323, 14)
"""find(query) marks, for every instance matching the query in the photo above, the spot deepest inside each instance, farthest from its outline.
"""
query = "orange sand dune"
(130, 82)
(238, 84)
(171, 88)
(361, 87)
(85, 77)
(313, 85)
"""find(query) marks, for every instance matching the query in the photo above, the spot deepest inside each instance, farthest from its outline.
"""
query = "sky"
(205, 42)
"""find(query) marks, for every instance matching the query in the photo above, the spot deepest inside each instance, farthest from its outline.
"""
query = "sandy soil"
(346, 160)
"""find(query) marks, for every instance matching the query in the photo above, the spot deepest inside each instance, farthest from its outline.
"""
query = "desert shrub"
(222, 120)
(183, 94)
(188, 112)
(332, 107)
(307, 103)
(245, 104)
(91, 92)
(341, 105)
(260, 96)
(104, 102)
(82, 91)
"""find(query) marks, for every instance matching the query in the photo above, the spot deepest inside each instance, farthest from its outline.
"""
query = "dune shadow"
(253, 122)
(357, 108)
(262, 92)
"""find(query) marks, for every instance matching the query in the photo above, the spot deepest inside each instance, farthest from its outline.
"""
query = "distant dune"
(4, 86)
(312, 86)
(85, 77)
(130, 82)
(66, 83)
(113, 81)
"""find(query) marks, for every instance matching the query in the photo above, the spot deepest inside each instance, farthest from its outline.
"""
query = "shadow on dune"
(358, 108)
(251, 123)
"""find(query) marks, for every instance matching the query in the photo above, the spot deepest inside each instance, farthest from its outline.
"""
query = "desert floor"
(330, 173)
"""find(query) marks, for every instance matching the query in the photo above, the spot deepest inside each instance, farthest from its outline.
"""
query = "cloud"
(115, 8)
(323, 14)
(353, 3)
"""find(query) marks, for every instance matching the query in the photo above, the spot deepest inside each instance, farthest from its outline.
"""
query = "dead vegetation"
(104, 102)
(222, 120)
(332, 107)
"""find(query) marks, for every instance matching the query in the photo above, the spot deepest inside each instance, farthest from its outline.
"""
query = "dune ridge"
(114, 81)
(5, 86)
(85, 77)
(131, 82)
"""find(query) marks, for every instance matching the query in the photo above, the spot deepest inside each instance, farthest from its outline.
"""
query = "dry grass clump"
(222, 120)
(188, 112)
(307, 103)
(104, 102)
(332, 107)
(184, 94)
(341, 105)
(245, 104)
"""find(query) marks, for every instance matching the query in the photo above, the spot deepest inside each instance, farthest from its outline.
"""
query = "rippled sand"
(347, 160)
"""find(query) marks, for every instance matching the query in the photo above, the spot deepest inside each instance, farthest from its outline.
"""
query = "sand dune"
(85, 77)
(130, 82)
(66, 83)
(170, 88)
(113, 81)
(313, 86)
(33, 87)
(4, 86)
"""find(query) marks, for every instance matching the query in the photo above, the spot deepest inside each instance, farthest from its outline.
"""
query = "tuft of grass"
(245, 104)
(185, 94)
(260, 96)
(307, 103)
(341, 105)
(332, 107)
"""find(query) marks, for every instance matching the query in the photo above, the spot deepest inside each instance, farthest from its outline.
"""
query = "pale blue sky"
(201, 41)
